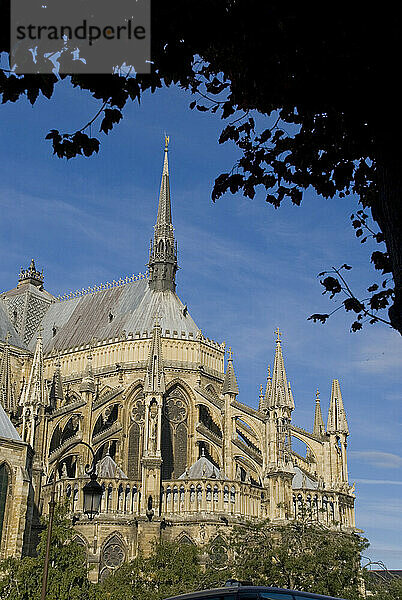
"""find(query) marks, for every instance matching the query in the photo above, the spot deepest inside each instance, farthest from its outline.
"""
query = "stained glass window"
(3, 495)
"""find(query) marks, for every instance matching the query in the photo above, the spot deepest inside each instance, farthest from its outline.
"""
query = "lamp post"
(92, 498)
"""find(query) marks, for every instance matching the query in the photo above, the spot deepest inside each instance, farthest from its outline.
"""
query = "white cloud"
(378, 481)
(383, 460)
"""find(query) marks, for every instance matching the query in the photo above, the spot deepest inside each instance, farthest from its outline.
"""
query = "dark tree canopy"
(301, 555)
(323, 86)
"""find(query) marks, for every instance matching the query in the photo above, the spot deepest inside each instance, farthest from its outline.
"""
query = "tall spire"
(155, 378)
(230, 383)
(33, 393)
(263, 405)
(7, 393)
(279, 390)
(163, 251)
(164, 209)
(261, 399)
(337, 422)
(319, 427)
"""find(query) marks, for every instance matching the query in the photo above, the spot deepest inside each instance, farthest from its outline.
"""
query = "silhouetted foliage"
(309, 99)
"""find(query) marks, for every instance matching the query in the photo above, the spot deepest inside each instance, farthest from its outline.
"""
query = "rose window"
(175, 410)
(113, 556)
(138, 411)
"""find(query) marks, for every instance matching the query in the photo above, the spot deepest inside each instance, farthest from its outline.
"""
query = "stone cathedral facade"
(180, 454)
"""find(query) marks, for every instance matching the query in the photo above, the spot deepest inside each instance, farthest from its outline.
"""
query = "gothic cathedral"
(124, 368)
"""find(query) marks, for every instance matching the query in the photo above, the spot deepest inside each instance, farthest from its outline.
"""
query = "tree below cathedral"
(298, 556)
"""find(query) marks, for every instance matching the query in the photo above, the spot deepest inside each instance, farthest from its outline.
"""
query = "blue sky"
(245, 268)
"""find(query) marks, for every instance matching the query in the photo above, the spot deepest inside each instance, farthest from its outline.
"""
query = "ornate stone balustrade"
(323, 506)
(178, 498)
(183, 497)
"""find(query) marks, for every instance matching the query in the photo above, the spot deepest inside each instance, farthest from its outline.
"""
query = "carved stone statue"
(153, 427)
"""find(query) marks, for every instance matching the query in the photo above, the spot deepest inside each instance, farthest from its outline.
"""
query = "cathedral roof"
(7, 429)
(6, 326)
(108, 469)
(112, 312)
(302, 481)
(202, 468)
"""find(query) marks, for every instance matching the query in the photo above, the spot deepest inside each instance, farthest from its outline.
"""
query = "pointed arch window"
(174, 434)
(134, 499)
(325, 507)
(112, 556)
(232, 494)
(133, 469)
(315, 508)
(192, 493)
(309, 511)
(4, 483)
(199, 494)
(126, 498)
(120, 498)
(75, 497)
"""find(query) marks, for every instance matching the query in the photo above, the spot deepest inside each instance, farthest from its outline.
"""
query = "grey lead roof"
(108, 469)
(202, 468)
(301, 480)
(7, 429)
(109, 313)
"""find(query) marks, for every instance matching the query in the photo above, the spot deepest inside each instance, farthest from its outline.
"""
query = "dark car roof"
(233, 589)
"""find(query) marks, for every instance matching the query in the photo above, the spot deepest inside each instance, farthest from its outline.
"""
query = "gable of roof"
(203, 468)
(302, 480)
(107, 468)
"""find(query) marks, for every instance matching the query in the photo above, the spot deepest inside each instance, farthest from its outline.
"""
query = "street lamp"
(92, 499)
